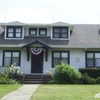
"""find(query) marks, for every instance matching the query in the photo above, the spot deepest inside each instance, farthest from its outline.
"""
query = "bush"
(92, 72)
(8, 76)
(86, 79)
(98, 80)
(65, 73)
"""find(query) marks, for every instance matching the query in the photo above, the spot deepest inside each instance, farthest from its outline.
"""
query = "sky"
(50, 11)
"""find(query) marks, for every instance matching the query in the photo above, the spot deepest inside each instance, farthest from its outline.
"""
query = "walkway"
(23, 93)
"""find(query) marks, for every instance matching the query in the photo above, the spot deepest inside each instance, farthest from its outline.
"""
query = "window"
(42, 31)
(32, 31)
(60, 32)
(14, 32)
(92, 59)
(11, 57)
(58, 56)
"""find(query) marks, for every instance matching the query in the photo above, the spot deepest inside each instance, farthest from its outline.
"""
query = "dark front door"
(37, 63)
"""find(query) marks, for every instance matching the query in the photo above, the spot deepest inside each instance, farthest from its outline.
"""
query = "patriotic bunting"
(36, 51)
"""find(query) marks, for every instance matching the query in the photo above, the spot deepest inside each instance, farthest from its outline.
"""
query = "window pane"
(15, 54)
(33, 32)
(56, 61)
(42, 32)
(64, 30)
(64, 55)
(97, 55)
(90, 62)
(64, 35)
(10, 34)
(97, 59)
(7, 54)
(56, 55)
(7, 61)
(15, 60)
(56, 35)
(64, 60)
(18, 30)
(10, 30)
(89, 55)
(56, 30)
(18, 34)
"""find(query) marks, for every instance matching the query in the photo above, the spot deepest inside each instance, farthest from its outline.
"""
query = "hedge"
(92, 72)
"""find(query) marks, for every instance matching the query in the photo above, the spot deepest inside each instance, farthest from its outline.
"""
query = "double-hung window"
(92, 59)
(58, 56)
(11, 57)
(42, 31)
(33, 31)
(14, 32)
(60, 32)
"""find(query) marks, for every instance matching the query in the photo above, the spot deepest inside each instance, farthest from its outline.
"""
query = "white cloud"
(27, 14)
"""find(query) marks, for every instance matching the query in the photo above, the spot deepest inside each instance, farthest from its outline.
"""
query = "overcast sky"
(49, 11)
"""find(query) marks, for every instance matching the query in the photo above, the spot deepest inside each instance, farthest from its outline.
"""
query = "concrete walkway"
(23, 93)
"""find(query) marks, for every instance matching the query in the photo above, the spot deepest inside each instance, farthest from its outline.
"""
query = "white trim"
(51, 33)
(60, 38)
(5, 32)
(14, 38)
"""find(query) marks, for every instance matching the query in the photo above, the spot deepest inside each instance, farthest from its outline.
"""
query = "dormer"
(13, 30)
(61, 31)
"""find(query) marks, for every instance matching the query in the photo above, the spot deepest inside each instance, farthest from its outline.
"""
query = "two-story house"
(37, 48)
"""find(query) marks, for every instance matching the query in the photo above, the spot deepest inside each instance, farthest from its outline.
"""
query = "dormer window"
(60, 32)
(33, 31)
(42, 31)
(14, 32)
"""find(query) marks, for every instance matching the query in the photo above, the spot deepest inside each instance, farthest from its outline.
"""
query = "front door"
(37, 63)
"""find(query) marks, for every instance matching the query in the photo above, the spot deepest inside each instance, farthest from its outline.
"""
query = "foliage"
(86, 79)
(92, 72)
(98, 80)
(65, 73)
(8, 76)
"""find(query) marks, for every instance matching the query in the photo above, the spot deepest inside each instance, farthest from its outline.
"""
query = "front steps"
(34, 79)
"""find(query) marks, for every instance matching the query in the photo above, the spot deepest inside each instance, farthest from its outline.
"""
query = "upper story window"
(33, 31)
(42, 31)
(14, 32)
(60, 32)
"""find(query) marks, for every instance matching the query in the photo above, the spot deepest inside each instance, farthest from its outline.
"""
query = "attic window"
(33, 31)
(60, 32)
(14, 32)
(42, 31)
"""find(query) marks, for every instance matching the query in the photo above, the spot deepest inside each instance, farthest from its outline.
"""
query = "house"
(37, 48)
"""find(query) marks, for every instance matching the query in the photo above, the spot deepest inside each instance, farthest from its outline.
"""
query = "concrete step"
(34, 79)
(33, 82)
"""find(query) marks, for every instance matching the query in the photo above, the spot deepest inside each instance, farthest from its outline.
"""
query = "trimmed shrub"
(65, 73)
(86, 79)
(92, 72)
(98, 80)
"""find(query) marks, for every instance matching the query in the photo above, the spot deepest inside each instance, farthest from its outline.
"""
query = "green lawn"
(66, 92)
(4, 89)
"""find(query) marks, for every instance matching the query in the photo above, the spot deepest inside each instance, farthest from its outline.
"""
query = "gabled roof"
(61, 24)
(36, 42)
(12, 23)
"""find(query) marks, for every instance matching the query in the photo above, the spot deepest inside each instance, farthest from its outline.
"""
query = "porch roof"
(36, 42)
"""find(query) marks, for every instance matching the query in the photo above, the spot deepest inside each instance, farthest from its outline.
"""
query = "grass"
(4, 89)
(66, 92)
